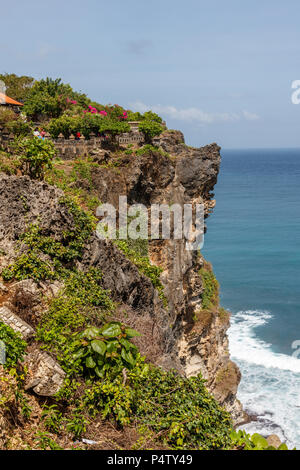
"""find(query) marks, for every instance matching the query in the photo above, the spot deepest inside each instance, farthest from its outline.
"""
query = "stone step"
(45, 377)
(15, 322)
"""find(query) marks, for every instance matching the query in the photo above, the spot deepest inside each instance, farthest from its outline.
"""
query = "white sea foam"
(270, 386)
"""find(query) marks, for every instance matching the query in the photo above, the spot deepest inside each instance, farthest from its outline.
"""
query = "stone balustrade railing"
(72, 147)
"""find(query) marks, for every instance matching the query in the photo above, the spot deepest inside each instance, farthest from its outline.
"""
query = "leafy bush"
(106, 348)
(179, 411)
(20, 128)
(211, 287)
(32, 264)
(35, 156)
(86, 124)
(29, 265)
(17, 87)
(150, 116)
(14, 345)
(8, 163)
(150, 129)
(80, 302)
(7, 116)
(50, 98)
(243, 441)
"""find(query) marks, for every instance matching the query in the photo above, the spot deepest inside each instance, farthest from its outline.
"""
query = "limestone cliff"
(182, 335)
(195, 340)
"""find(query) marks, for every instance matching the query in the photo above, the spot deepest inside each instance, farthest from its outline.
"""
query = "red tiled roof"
(8, 100)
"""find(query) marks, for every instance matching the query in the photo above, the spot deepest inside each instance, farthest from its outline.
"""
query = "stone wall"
(131, 138)
(69, 149)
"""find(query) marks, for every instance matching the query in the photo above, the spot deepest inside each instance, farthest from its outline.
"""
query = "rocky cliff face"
(183, 334)
(186, 175)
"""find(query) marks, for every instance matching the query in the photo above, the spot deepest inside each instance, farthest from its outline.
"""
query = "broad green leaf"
(98, 346)
(127, 356)
(99, 372)
(91, 332)
(111, 330)
(112, 346)
(127, 344)
(131, 333)
(79, 354)
(283, 447)
(90, 363)
(259, 441)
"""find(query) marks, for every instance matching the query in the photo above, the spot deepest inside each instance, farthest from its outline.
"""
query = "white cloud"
(193, 114)
(250, 116)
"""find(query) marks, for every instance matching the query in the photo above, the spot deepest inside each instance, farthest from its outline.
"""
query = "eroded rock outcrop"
(187, 337)
(185, 175)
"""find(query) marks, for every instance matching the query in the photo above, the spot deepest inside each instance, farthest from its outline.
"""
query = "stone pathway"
(45, 376)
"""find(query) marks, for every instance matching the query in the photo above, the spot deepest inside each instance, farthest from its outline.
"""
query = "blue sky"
(221, 71)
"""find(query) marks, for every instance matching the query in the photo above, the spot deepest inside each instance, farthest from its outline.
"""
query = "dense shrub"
(81, 302)
(14, 345)
(86, 124)
(101, 350)
(35, 155)
(17, 88)
(20, 128)
(29, 266)
(179, 411)
(50, 98)
(150, 129)
(211, 287)
(8, 163)
(7, 116)
(243, 441)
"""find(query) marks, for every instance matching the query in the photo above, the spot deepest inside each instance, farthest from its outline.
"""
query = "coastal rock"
(274, 441)
(44, 376)
(184, 335)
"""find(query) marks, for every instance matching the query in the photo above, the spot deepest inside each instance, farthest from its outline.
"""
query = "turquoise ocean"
(253, 242)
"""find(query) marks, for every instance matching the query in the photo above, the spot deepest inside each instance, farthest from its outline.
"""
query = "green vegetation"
(210, 295)
(144, 265)
(35, 156)
(49, 99)
(106, 376)
(8, 163)
(14, 345)
(178, 412)
(86, 124)
(45, 257)
(102, 349)
(244, 441)
(80, 303)
(150, 129)
(150, 148)
(29, 265)
(17, 88)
